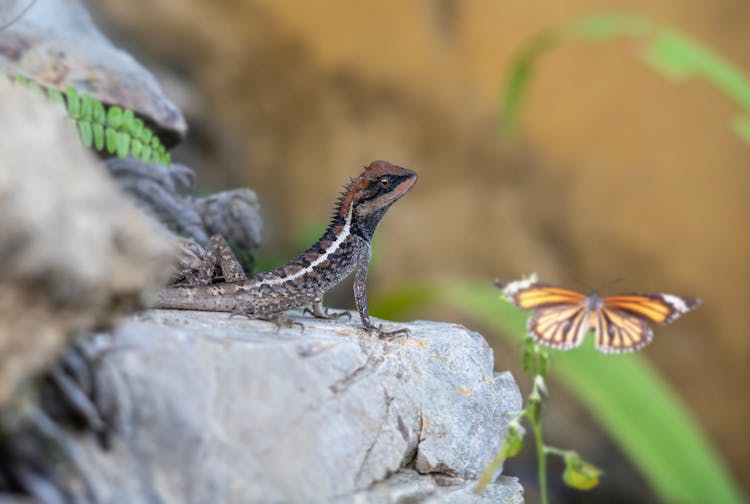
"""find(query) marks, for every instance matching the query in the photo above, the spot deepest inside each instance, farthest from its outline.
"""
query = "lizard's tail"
(210, 298)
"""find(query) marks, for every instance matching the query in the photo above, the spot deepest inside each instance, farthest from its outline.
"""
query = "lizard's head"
(373, 192)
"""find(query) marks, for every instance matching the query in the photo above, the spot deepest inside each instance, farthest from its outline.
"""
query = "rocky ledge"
(216, 408)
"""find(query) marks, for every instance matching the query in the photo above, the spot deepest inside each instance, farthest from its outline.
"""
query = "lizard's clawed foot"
(387, 335)
(317, 310)
(281, 322)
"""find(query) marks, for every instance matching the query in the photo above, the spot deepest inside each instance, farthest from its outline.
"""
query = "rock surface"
(164, 193)
(225, 409)
(75, 252)
(56, 44)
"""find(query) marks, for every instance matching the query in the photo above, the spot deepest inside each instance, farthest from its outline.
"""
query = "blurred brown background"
(616, 172)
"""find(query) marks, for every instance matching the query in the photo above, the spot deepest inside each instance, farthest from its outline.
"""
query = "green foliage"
(628, 398)
(114, 129)
(578, 473)
(103, 128)
(668, 51)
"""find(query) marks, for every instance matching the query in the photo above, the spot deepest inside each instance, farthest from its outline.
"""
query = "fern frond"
(112, 129)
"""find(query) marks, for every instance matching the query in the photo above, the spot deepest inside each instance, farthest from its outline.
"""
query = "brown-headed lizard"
(344, 248)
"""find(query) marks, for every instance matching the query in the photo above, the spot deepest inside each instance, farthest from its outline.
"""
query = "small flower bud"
(579, 474)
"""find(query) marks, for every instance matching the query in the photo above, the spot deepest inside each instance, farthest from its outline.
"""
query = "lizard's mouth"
(401, 187)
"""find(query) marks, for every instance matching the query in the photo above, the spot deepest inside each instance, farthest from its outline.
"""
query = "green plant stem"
(551, 450)
(541, 455)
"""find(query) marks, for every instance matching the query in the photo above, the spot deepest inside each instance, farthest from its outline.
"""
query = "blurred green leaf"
(99, 114)
(135, 147)
(128, 119)
(146, 135)
(56, 97)
(137, 127)
(110, 135)
(87, 107)
(87, 136)
(98, 130)
(74, 104)
(628, 398)
(741, 127)
(114, 117)
(123, 145)
(608, 24)
(668, 51)
(146, 153)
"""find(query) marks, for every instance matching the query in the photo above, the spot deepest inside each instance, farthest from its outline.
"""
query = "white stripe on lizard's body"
(343, 249)
(345, 233)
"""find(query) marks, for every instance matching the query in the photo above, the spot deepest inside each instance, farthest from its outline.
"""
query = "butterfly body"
(563, 316)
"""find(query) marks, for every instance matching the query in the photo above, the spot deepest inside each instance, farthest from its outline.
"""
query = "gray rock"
(75, 252)
(56, 44)
(409, 486)
(163, 192)
(225, 409)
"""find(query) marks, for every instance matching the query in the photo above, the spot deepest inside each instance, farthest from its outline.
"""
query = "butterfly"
(563, 316)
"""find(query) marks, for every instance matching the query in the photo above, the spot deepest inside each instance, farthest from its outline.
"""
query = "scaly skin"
(344, 248)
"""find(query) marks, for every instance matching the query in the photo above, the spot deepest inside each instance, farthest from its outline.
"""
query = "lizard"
(344, 248)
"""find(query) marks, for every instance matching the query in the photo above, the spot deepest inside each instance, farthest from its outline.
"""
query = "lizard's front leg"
(360, 297)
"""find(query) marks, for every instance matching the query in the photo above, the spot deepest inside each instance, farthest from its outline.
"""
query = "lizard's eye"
(385, 182)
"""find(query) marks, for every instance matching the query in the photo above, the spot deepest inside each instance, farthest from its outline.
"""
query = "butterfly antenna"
(585, 287)
(611, 283)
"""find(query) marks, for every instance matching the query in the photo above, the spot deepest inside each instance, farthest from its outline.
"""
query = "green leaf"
(166, 159)
(146, 154)
(99, 114)
(21, 81)
(123, 145)
(35, 88)
(110, 135)
(137, 127)
(627, 397)
(671, 53)
(519, 77)
(513, 442)
(56, 97)
(603, 26)
(114, 117)
(135, 147)
(146, 135)
(741, 127)
(74, 103)
(98, 130)
(87, 136)
(87, 107)
(127, 120)
(676, 56)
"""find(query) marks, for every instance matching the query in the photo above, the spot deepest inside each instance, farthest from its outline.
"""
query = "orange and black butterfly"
(564, 316)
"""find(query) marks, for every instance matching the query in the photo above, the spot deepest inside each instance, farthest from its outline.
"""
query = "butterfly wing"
(561, 326)
(657, 308)
(621, 321)
(529, 295)
(561, 320)
(617, 331)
